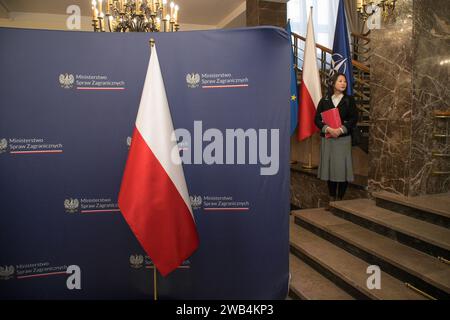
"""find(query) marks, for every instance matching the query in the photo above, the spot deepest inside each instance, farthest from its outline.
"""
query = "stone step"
(410, 265)
(344, 269)
(308, 284)
(421, 235)
(433, 208)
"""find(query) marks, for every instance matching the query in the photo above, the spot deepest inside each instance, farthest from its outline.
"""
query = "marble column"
(409, 83)
(263, 13)
(431, 93)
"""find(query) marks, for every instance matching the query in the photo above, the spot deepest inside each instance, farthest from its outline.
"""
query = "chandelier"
(366, 8)
(134, 16)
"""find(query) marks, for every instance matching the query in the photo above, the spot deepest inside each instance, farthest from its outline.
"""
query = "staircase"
(407, 238)
(361, 75)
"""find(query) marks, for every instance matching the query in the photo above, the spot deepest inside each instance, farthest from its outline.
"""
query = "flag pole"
(309, 165)
(155, 274)
(155, 286)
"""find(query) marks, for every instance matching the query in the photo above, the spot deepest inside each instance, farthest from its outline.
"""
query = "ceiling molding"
(233, 15)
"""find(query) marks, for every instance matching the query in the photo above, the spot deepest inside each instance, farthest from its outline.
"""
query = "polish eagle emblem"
(136, 260)
(66, 80)
(196, 201)
(192, 80)
(6, 272)
(3, 145)
(71, 205)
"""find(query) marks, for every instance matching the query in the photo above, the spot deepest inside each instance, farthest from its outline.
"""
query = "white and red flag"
(153, 196)
(310, 89)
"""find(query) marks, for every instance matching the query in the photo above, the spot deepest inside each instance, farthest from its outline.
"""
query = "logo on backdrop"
(90, 205)
(40, 270)
(196, 202)
(215, 81)
(6, 272)
(90, 82)
(3, 145)
(192, 80)
(139, 261)
(218, 203)
(136, 261)
(129, 139)
(71, 205)
(66, 80)
(29, 146)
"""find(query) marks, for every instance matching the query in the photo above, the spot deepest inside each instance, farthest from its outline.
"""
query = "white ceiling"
(203, 12)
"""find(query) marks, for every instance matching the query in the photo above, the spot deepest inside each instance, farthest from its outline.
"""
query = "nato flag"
(342, 58)
(294, 90)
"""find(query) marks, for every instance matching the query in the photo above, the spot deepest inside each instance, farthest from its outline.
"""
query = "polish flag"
(310, 89)
(153, 197)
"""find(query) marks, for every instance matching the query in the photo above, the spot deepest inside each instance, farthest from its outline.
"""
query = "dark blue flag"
(342, 58)
(294, 89)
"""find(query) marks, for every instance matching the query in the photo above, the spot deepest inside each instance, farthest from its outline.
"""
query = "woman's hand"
(334, 132)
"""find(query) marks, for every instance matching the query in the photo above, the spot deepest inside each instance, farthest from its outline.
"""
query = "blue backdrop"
(68, 102)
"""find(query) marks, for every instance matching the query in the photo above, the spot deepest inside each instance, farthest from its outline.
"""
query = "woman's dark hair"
(333, 81)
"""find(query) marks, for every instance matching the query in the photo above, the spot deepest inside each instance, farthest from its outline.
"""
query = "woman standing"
(335, 165)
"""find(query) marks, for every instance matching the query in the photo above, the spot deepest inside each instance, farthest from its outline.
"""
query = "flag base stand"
(309, 165)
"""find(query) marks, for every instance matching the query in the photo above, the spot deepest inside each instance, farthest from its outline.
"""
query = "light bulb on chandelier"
(135, 16)
(367, 8)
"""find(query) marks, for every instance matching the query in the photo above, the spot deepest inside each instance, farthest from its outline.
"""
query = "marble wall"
(307, 191)
(408, 84)
(431, 93)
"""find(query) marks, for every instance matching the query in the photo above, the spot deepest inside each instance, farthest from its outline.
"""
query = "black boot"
(327, 206)
(342, 187)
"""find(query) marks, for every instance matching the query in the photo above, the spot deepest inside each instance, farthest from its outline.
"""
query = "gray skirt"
(336, 159)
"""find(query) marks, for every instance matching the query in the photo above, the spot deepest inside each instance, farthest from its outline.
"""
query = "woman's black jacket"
(347, 111)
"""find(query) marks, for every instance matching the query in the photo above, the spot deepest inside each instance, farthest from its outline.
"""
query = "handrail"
(360, 66)
(444, 114)
(356, 63)
(317, 45)
(361, 71)
(361, 36)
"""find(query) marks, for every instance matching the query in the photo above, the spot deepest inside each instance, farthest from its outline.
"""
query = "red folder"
(331, 118)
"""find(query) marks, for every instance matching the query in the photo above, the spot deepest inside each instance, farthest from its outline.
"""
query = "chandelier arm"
(109, 22)
(367, 9)
(135, 16)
